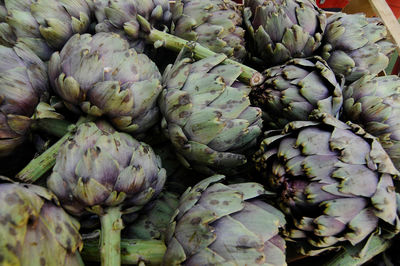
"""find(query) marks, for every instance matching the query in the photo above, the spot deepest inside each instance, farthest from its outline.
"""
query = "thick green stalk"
(360, 254)
(41, 164)
(110, 236)
(55, 127)
(133, 251)
(174, 43)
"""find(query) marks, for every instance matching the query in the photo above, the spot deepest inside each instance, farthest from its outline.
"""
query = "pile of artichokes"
(196, 132)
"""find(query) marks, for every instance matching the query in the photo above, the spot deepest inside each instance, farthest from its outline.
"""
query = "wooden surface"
(359, 6)
(392, 24)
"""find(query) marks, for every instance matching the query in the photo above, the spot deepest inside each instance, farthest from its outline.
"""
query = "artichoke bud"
(373, 103)
(281, 30)
(45, 26)
(293, 90)
(207, 113)
(22, 87)
(108, 168)
(124, 87)
(131, 19)
(210, 215)
(215, 24)
(366, 54)
(335, 181)
(31, 214)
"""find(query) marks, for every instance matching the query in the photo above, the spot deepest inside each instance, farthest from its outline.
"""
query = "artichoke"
(335, 182)
(42, 25)
(216, 224)
(105, 172)
(99, 75)
(283, 29)
(292, 91)
(354, 45)
(207, 114)
(215, 24)
(374, 103)
(125, 16)
(23, 83)
(100, 167)
(35, 230)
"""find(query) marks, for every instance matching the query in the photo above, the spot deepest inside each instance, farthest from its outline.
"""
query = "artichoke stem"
(111, 226)
(55, 127)
(249, 75)
(41, 164)
(133, 251)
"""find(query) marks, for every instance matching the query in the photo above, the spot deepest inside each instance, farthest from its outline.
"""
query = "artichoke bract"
(354, 45)
(283, 29)
(335, 182)
(108, 173)
(23, 83)
(35, 230)
(217, 224)
(215, 24)
(207, 114)
(42, 25)
(374, 103)
(153, 223)
(121, 17)
(292, 91)
(99, 75)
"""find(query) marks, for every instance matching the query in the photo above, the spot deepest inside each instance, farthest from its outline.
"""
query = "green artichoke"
(216, 224)
(42, 25)
(207, 114)
(335, 182)
(121, 16)
(292, 91)
(23, 83)
(354, 45)
(35, 230)
(99, 75)
(215, 24)
(283, 29)
(108, 173)
(374, 103)
(100, 167)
